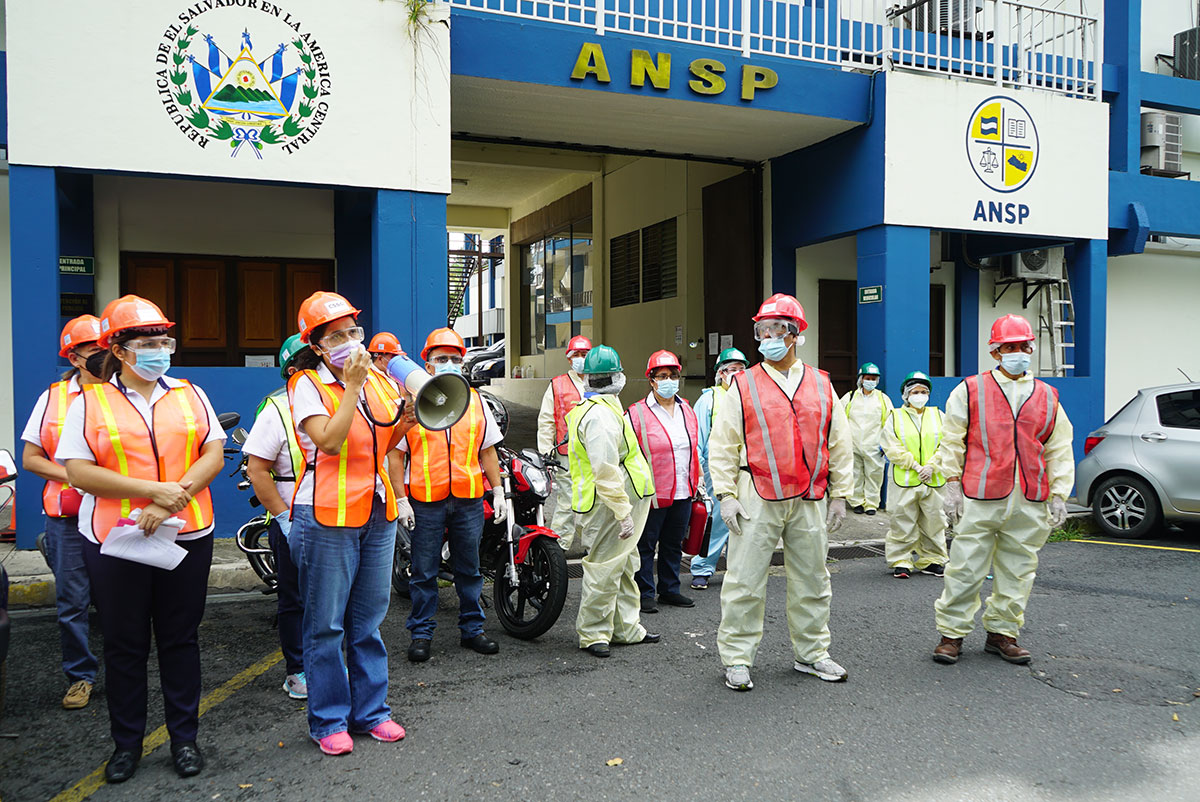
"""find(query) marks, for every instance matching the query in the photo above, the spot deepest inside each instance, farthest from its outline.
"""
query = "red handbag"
(68, 502)
(699, 529)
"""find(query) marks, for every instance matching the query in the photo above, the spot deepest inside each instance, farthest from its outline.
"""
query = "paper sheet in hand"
(128, 542)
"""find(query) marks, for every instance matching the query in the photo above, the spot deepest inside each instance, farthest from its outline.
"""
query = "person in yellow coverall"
(867, 409)
(1006, 447)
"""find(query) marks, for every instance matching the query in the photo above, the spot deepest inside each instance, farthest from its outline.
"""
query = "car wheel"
(1126, 506)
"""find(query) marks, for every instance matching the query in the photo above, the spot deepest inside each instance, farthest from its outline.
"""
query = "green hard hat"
(291, 346)
(602, 359)
(868, 369)
(916, 377)
(731, 355)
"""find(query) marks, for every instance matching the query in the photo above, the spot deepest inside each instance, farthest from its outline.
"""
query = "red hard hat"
(782, 306)
(1011, 329)
(320, 308)
(443, 338)
(80, 331)
(662, 359)
(130, 312)
(385, 343)
(579, 343)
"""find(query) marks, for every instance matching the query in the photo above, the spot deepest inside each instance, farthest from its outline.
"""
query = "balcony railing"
(1010, 43)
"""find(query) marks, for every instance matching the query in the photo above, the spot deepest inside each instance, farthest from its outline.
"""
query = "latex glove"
(730, 510)
(836, 514)
(1058, 512)
(285, 522)
(404, 513)
(925, 472)
(626, 527)
(952, 501)
(499, 505)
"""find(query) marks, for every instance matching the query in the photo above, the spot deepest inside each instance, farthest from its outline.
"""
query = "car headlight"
(538, 480)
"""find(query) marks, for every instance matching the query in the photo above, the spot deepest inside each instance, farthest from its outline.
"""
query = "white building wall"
(1161, 20)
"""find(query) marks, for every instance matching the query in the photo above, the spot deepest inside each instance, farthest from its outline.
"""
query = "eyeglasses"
(771, 329)
(442, 360)
(1012, 348)
(152, 344)
(335, 338)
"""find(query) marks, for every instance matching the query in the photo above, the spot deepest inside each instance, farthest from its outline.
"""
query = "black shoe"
(187, 758)
(481, 643)
(676, 600)
(649, 605)
(900, 572)
(122, 765)
(651, 637)
(934, 570)
(418, 650)
(599, 650)
(857, 510)
(870, 512)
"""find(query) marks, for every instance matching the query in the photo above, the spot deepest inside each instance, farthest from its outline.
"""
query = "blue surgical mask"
(152, 364)
(446, 367)
(577, 364)
(774, 349)
(1015, 363)
(870, 384)
(668, 388)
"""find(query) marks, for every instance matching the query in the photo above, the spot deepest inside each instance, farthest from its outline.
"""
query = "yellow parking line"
(1136, 545)
(91, 783)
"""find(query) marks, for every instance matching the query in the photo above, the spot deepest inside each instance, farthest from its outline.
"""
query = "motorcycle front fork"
(509, 526)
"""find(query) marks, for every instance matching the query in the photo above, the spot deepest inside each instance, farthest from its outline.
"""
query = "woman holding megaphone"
(343, 521)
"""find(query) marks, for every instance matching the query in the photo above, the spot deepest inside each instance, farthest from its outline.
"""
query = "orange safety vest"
(58, 401)
(787, 439)
(656, 445)
(566, 396)
(122, 442)
(446, 463)
(344, 483)
(998, 443)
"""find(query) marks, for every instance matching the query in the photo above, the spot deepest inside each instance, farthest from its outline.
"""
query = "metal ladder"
(1056, 320)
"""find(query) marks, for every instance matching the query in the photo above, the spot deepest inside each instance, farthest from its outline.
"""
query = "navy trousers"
(665, 529)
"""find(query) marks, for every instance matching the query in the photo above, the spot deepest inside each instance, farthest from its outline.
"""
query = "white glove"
(730, 510)
(404, 513)
(1058, 512)
(499, 505)
(836, 514)
(627, 527)
(925, 472)
(285, 522)
(952, 501)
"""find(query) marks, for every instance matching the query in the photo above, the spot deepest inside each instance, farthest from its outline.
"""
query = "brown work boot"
(78, 695)
(1007, 648)
(948, 650)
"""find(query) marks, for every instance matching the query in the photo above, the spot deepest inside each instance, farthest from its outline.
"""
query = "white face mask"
(1015, 363)
(870, 384)
(918, 400)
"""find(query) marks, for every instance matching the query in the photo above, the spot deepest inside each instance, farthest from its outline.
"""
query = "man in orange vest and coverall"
(782, 465)
(1006, 446)
(564, 392)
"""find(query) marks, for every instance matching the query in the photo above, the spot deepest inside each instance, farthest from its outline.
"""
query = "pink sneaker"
(388, 732)
(339, 743)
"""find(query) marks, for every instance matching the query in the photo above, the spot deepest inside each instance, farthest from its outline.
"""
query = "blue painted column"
(1122, 52)
(409, 281)
(966, 319)
(894, 334)
(1089, 289)
(33, 220)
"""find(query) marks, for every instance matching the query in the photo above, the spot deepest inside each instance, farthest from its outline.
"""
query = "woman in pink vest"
(564, 392)
(1006, 447)
(668, 432)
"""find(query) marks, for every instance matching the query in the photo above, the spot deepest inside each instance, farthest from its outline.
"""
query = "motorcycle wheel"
(402, 564)
(531, 607)
(255, 535)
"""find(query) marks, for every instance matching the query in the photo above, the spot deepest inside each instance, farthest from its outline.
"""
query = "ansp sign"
(707, 74)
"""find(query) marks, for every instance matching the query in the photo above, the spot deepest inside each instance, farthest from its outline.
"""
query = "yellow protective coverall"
(866, 414)
(1002, 537)
(563, 520)
(609, 604)
(917, 521)
(800, 523)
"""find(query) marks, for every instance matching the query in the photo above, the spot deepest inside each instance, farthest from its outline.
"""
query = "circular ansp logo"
(1002, 144)
(248, 77)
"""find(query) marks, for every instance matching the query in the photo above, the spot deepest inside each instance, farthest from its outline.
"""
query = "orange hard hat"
(130, 312)
(321, 308)
(443, 338)
(662, 359)
(385, 343)
(782, 306)
(1011, 329)
(80, 331)
(579, 343)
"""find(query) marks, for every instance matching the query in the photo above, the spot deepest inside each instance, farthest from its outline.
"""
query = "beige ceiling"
(498, 184)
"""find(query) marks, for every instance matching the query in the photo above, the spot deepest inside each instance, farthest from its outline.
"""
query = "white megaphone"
(439, 401)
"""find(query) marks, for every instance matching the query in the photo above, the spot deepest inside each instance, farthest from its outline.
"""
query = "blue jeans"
(289, 603)
(459, 522)
(72, 590)
(345, 580)
(665, 529)
(706, 564)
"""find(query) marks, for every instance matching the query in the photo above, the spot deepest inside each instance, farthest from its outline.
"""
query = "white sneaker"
(738, 678)
(296, 686)
(823, 669)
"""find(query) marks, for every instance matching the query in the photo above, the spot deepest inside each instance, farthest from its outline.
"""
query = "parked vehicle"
(484, 363)
(1142, 467)
(520, 555)
(252, 537)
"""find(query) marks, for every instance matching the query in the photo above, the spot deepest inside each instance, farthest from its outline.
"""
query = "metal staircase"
(1056, 325)
(461, 267)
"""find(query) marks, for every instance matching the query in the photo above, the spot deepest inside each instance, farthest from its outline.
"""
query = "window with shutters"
(658, 261)
(624, 270)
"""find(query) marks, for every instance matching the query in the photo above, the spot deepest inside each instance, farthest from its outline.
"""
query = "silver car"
(1143, 466)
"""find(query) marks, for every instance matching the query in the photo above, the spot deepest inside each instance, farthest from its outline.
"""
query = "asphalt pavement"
(1107, 710)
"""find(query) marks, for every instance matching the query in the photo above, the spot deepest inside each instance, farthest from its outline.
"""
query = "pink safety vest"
(566, 396)
(656, 446)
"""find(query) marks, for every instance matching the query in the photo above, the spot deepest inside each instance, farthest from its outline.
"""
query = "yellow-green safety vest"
(920, 443)
(279, 401)
(583, 481)
(718, 395)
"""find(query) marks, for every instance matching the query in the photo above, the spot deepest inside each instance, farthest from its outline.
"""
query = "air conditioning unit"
(946, 16)
(1187, 54)
(1046, 264)
(1162, 141)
